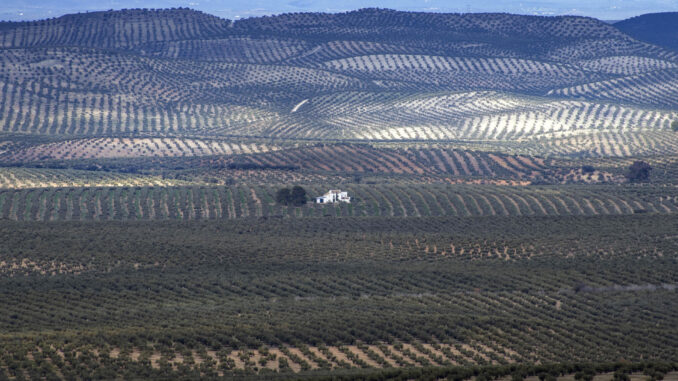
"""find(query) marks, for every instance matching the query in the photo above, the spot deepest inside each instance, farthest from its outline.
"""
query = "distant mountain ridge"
(656, 28)
(108, 28)
(113, 29)
(392, 21)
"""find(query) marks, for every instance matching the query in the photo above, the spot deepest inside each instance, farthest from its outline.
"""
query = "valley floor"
(252, 296)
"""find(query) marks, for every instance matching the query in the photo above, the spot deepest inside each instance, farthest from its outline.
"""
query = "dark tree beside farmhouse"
(282, 196)
(295, 196)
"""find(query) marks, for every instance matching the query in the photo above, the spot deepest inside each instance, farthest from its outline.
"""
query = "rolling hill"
(656, 28)
(371, 74)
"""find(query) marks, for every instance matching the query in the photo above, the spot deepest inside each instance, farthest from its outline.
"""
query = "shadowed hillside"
(656, 28)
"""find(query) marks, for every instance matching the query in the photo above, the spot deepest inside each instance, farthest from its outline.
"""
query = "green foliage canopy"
(639, 172)
(295, 196)
(282, 196)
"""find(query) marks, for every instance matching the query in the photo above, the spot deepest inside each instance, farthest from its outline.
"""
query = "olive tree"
(639, 172)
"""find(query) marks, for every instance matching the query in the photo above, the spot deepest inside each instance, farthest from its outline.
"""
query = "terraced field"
(656, 88)
(474, 116)
(190, 203)
(24, 178)
(411, 161)
(339, 297)
(103, 148)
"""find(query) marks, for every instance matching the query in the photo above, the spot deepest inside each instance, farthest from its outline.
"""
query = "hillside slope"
(656, 28)
(113, 29)
(362, 75)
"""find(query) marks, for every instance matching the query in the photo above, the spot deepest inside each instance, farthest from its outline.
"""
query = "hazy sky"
(233, 9)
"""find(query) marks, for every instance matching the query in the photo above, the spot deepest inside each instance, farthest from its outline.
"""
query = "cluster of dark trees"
(588, 169)
(639, 172)
(294, 197)
(674, 125)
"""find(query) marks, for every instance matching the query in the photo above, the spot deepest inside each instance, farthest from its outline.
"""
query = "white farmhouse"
(333, 196)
